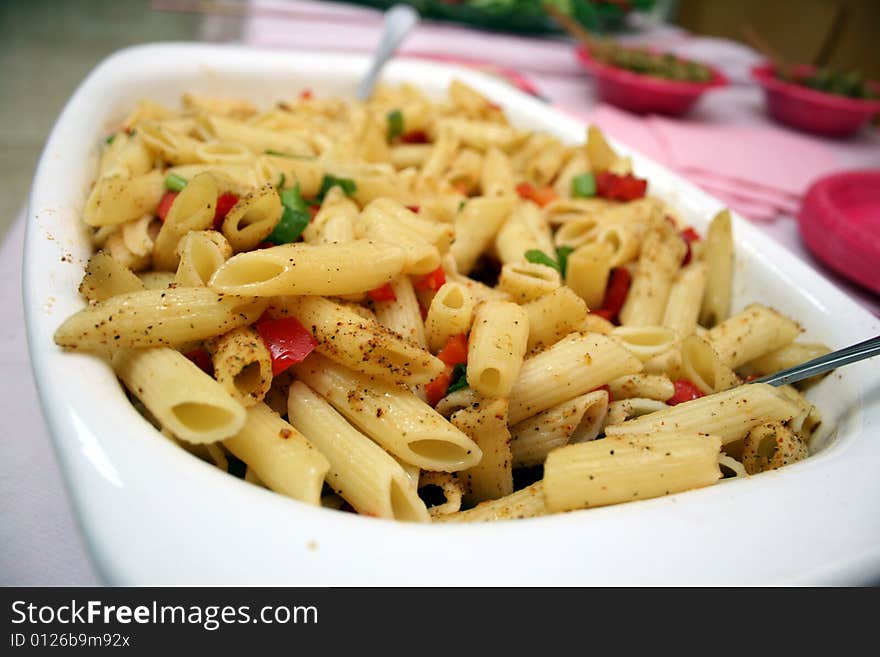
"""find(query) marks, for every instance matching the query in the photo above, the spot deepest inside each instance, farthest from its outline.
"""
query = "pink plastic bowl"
(840, 223)
(810, 110)
(646, 94)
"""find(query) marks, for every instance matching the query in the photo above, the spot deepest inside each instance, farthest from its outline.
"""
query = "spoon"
(399, 20)
(835, 359)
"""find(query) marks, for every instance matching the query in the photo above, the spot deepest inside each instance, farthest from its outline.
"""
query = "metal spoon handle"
(845, 356)
(399, 20)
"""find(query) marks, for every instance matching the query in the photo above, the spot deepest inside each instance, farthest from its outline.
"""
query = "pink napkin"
(760, 172)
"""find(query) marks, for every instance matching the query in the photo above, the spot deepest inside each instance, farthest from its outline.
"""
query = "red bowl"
(646, 94)
(839, 222)
(812, 111)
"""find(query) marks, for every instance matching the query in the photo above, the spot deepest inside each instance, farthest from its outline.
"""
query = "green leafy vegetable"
(562, 253)
(281, 181)
(583, 186)
(459, 378)
(294, 218)
(330, 181)
(174, 182)
(395, 124)
(110, 139)
(541, 258)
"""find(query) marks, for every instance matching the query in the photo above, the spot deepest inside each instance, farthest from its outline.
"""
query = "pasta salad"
(414, 310)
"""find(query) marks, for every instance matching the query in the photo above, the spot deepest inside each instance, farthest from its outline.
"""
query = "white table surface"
(41, 543)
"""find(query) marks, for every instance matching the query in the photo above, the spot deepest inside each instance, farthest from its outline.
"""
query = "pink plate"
(810, 110)
(646, 94)
(840, 223)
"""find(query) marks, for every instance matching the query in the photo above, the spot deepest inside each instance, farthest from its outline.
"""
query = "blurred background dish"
(522, 16)
(647, 82)
(800, 99)
(840, 223)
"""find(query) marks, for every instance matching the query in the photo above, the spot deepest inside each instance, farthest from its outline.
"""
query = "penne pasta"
(486, 424)
(183, 399)
(719, 271)
(450, 313)
(577, 420)
(476, 226)
(528, 281)
(683, 305)
(402, 314)
(279, 455)
(729, 414)
(527, 502)
(627, 468)
(750, 334)
(702, 366)
(152, 318)
(496, 347)
(360, 471)
(661, 256)
(242, 365)
(573, 366)
(362, 344)
(553, 316)
(201, 253)
(252, 219)
(193, 209)
(331, 269)
(106, 277)
(392, 416)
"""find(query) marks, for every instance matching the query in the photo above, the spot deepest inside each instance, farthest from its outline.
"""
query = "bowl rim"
(764, 75)
(650, 82)
(279, 530)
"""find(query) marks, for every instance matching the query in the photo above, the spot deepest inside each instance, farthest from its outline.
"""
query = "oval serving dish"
(153, 514)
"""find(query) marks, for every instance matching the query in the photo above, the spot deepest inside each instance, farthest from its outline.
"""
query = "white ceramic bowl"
(153, 514)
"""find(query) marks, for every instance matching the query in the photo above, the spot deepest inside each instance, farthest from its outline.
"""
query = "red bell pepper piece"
(620, 188)
(414, 137)
(202, 358)
(684, 391)
(540, 195)
(432, 281)
(688, 235)
(436, 390)
(413, 208)
(616, 293)
(313, 211)
(306, 94)
(455, 350)
(224, 204)
(605, 313)
(165, 204)
(288, 342)
(384, 293)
